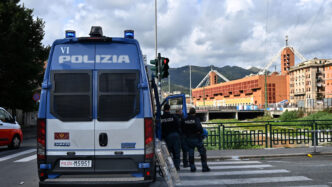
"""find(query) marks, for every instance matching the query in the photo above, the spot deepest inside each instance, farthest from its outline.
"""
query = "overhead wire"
(304, 38)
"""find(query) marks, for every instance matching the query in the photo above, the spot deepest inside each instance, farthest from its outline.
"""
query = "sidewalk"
(266, 152)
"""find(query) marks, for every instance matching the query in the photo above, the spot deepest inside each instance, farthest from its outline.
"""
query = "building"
(328, 79)
(287, 60)
(308, 83)
(249, 90)
(246, 91)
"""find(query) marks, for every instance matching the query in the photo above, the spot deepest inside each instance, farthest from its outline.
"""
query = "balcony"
(320, 85)
(299, 93)
(319, 80)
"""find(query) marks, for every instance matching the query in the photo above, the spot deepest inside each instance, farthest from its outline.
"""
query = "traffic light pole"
(159, 76)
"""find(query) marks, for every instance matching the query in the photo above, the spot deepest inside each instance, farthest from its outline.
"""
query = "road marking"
(242, 181)
(238, 167)
(228, 173)
(27, 159)
(235, 158)
(312, 186)
(229, 163)
(16, 155)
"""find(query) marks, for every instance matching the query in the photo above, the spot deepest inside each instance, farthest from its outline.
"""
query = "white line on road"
(228, 173)
(238, 167)
(242, 181)
(16, 155)
(229, 163)
(323, 185)
(27, 159)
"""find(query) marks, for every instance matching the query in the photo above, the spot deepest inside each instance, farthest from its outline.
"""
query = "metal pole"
(169, 84)
(265, 86)
(191, 100)
(159, 78)
(156, 48)
(155, 26)
(315, 141)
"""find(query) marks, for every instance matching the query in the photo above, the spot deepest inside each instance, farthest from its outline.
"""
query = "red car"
(10, 131)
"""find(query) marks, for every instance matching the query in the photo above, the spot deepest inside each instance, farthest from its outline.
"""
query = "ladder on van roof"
(166, 164)
(163, 157)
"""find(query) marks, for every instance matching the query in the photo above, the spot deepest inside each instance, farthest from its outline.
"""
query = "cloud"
(243, 32)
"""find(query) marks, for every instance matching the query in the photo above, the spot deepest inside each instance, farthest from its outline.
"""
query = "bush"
(290, 115)
(319, 116)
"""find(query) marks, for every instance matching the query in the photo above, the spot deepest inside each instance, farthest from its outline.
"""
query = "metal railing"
(264, 134)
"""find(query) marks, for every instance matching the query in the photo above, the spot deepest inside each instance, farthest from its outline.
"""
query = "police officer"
(170, 127)
(184, 147)
(193, 131)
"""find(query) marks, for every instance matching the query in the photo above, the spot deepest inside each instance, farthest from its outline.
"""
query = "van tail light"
(148, 138)
(41, 139)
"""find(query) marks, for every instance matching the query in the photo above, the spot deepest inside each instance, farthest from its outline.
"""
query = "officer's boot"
(205, 167)
(192, 164)
(185, 159)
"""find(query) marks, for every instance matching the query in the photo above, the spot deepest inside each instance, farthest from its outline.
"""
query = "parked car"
(10, 131)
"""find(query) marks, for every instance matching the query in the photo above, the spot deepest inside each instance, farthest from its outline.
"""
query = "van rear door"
(119, 128)
(70, 125)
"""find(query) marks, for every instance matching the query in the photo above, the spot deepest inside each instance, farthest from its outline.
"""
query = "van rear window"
(118, 95)
(71, 95)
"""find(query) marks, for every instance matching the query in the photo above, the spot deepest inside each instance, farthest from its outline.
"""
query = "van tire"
(16, 142)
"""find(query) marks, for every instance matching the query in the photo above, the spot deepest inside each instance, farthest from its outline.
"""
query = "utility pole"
(155, 27)
(191, 100)
(156, 50)
(169, 84)
(266, 103)
(204, 95)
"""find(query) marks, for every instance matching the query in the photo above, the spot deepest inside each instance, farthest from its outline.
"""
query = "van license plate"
(75, 163)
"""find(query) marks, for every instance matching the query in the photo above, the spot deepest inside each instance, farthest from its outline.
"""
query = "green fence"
(264, 134)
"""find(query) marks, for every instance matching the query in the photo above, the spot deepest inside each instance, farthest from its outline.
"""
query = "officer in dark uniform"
(184, 147)
(170, 126)
(193, 131)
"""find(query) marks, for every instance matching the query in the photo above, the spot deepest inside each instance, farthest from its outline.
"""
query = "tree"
(22, 55)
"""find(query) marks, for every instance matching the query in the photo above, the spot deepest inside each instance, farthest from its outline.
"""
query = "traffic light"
(164, 67)
(155, 67)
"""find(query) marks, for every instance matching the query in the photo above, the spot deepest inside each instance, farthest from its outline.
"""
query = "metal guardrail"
(264, 134)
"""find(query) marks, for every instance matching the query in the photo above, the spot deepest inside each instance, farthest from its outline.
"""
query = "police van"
(95, 121)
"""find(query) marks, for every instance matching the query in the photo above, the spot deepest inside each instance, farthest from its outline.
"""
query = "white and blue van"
(95, 120)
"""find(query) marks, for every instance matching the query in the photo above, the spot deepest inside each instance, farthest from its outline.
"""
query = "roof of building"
(310, 63)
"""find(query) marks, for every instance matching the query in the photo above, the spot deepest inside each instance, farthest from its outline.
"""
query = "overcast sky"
(200, 32)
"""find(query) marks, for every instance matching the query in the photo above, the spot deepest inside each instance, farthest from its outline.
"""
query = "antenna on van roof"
(96, 31)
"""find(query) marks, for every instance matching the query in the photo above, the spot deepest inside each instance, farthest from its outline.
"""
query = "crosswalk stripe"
(242, 181)
(228, 173)
(230, 163)
(238, 167)
(323, 185)
(27, 159)
(16, 155)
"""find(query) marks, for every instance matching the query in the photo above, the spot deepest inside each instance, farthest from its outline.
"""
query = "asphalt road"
(19, 168)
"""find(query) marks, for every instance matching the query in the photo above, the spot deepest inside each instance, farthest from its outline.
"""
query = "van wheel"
(16, 142)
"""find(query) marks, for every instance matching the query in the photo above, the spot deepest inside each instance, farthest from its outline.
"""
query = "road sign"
(36, 97)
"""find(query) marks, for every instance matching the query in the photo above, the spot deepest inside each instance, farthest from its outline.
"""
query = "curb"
(237, 157)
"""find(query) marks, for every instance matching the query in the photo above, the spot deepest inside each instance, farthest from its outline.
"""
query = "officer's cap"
(166, 107)
(192, 111)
